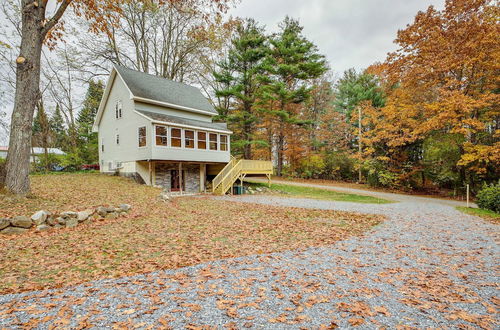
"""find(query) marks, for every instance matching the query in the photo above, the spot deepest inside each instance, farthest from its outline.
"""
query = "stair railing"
(220, 177)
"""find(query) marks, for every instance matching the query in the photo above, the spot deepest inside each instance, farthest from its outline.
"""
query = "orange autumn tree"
(442, 84)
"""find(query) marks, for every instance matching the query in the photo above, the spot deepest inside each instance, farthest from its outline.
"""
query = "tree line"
(426, 118)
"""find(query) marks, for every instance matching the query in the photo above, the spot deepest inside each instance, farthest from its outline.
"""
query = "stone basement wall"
(43, 220)
(191, 177)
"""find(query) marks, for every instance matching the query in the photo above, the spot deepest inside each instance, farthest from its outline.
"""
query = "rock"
(4, 223)
(61, 221)
(13, 231)
(70, 223)
(22, 222)
(83, 215)
(125, 207)
(39, 217)
(112, 215)
(88, 221)
(69, 214)
(51, 221)
(57, 225)
(164, 196)
(42, 227)
(102, 211)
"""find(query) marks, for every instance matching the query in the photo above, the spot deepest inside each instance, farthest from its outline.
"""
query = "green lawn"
(317, 193)
(485, 214)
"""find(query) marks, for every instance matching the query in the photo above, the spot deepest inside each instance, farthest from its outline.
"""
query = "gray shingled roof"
(160, 89)
(184, 121)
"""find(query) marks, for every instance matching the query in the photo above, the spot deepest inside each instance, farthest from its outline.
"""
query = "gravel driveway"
(428, 265)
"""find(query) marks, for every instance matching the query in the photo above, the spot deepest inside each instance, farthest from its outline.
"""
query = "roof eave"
(173, 106)
(155, 121)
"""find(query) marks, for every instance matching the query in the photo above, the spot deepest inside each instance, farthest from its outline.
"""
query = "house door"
(175, 180)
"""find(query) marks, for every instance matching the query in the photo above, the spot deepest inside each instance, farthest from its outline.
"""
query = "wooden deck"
(238, 169)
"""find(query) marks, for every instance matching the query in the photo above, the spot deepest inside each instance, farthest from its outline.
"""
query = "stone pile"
(44, 220)
(257, 190)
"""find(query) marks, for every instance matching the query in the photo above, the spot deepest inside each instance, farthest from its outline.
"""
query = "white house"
(36, 152)
(160, 132)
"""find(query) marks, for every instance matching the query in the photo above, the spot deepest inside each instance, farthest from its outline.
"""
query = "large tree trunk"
(26, 98)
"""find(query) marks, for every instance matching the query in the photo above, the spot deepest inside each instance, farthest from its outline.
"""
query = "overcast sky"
(350, 33)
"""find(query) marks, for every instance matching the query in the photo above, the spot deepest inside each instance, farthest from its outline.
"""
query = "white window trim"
(172, 136)
(155, 135)
(138, 137)
(206, 140)
(194, 138)
(119, 110)
(217, 142)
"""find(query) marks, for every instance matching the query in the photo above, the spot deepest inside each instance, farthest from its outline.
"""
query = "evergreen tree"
(354, 88)
(42, 134)
(57, 127)
(87, 140)
(292, 63)
(240, 72)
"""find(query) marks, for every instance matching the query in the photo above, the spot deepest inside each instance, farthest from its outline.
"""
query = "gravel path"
(428, 265)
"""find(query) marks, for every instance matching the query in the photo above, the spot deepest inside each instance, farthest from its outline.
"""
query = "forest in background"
(425, 119)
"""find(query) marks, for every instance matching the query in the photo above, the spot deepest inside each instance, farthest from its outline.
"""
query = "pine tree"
(240, 72)
(87, 140)
(42, 133)
(57, 127)
(354, 88)
(292, 62)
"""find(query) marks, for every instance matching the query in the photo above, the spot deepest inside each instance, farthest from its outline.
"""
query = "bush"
(311, 167)
(488, 197)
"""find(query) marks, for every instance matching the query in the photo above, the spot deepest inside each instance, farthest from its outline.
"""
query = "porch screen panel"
(202, 140)
(223, 142)
(189, 139)
(175, 138)
(213, 141)
(161, 136)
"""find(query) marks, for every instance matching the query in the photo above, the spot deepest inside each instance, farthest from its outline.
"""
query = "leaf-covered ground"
(155, 235)
(428, 266)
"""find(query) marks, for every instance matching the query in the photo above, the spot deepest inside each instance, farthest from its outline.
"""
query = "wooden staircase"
(238, 169)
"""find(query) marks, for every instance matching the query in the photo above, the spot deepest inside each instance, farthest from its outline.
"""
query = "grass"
(317, 193)
(155, 235)
(485, 214)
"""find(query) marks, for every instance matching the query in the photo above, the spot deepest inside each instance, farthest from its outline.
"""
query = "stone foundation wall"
(191, 176)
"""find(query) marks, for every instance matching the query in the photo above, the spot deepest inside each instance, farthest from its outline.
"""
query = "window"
(223, 142)
(161, 136)
(102, 145)
(213, 141)
(202, 140)
(175, 138)
(142, 136)
(118, 110)
(110, 166)
(189, 139)
(117, 139)
(119, 165)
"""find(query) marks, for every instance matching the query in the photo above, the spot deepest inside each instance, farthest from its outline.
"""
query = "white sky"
(350, 33)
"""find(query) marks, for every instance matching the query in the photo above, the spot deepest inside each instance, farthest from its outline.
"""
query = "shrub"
(488, 197)
(311, 167)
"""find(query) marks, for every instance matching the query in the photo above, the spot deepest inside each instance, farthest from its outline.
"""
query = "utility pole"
(359, 143)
